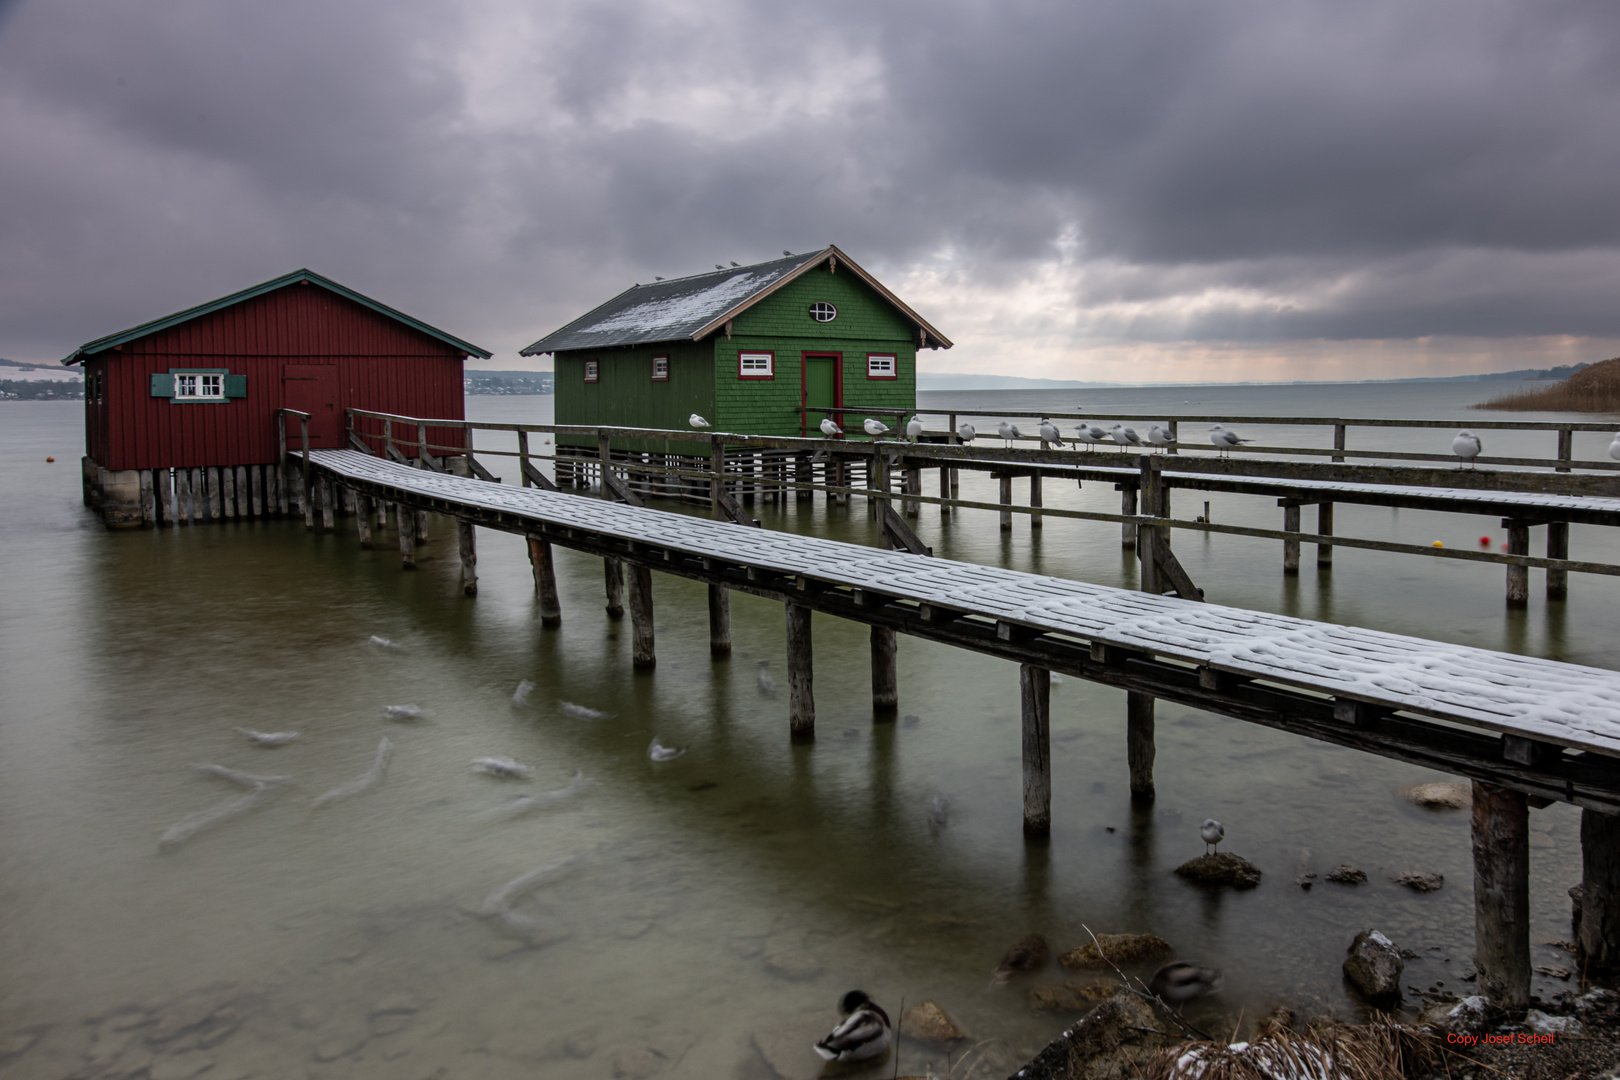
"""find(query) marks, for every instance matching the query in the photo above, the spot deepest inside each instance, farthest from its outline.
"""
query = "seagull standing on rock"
(697, 421)
(829, 428)
(1213, 833)
(1467, 447)
(874, 428)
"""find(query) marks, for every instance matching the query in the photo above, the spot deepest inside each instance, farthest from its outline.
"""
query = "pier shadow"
(881, 770)
(1035, 886)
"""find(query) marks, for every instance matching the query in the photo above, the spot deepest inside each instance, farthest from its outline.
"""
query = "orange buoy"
(49, 459)
(1439, 543)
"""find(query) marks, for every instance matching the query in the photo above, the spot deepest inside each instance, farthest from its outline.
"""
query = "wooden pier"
(1526, 731)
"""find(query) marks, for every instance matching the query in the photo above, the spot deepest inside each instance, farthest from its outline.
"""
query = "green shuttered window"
(198, 386)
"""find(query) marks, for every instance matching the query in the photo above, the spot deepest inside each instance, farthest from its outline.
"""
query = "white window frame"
(821, 306)
(882, 366)
(756, 364)
(199, 386)
(660, 369)
(593, 371)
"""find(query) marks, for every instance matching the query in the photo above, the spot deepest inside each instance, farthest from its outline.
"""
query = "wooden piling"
(1035, 691)
(227, 498)
(642, 656)
(719, 622)
(1004, 497)
(885, 670)
(256, 482)
(1324, 527)
(545, 583)
(1035, 499)
(613, 575)
(214, 510)
(244, 504)
(466, 543)
(382, 513)
(803, 472)
(165, 490)
(801, 695)
(148, 499)
(328, 505)
(717, 473)
(1501, 838)
(913, 487)
(944, 491)
(1139, 746)
(1291, 547)
(362, 519)
(283, 503)
(421, 526)
(1518, 577)
(1557, 548)
(306, 503)
(198, 497)
(1127, 507)
(1599, 937)
(407, 537)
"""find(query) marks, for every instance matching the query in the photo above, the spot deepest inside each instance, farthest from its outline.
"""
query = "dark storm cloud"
(1241, 171)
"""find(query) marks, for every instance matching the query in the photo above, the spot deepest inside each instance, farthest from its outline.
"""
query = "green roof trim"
(102, 344)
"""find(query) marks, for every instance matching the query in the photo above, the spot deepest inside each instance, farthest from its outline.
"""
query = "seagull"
(734, 262)
(1050, 433)
(1180, 982)
(697, 421)
(1467, 447)
(1125, 437)
(874, 428)
(1090, 434)
(914, 429)
(785, 251)
(658, 277)
(1223, 439)
(1007, 432)
(1159, 436)
(659, 752)
(1213, 833)
(829, 428)
(965, 432)
(717, 266)
(1614, 447)
(863, 1033)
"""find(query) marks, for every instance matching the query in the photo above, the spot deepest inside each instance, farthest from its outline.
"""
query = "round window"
(821, 311)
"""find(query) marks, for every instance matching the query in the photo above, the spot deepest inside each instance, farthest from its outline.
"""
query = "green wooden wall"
(625, 394)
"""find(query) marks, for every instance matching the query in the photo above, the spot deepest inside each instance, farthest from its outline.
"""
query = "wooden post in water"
(466, 541)
(1004, 497)
(885, 670)
(1139, 747)
(1557, 548)
(1290, 547)
(165, 490)
(382, 513)
(213, 493)
(613, 576)
(328, 509)
(642, 657)
(1501, 835)
(1599, 937)
(1127, 507)
(227, 478)
(1324, 527)
(148, 498)
(421, 526)
(256, 481)
(801, 695)
(1035, 690)
(1035, 498)
(362, 519)
(1139, 733)
(877, 479)
(545, 583)
(944, 491)
(719, 622)
(407, 537)
(1518, 577)
(199, 497)
(913, 487)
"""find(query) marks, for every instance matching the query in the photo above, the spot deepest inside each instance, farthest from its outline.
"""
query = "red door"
(313, 388)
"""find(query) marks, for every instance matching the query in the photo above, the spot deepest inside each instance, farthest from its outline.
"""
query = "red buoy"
(50, 459)
(1484, 541)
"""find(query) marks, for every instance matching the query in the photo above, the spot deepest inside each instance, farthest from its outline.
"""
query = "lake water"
(718, 904)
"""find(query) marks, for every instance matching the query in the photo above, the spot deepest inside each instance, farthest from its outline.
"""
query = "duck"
(966, 431)
(697, 421)
(1213, 832)
(1467, 447)
(874, 428)
(1180, 982)
(1022, 957)
(863, 1033)
(829, 428)
(914, 429)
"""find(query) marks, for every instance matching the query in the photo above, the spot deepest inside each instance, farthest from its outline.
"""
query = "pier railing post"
(1501, 841)
(1566, 447)
(466, 538)
(304, 489)
(719, 622)
(1338, 441)
(1557, 548)
(545, 582)
(523, 458)
(885, 670)
(1599, 937)
(643, 657)
(1518, 577)
(717, 473)
(1324, 527)
(1035, 692)
(1290, 547)
(1035, 498)
(801, 693)
(1149, 537)
(613, 579)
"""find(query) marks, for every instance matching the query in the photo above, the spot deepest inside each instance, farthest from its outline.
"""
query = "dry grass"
(1594, 389)
(1379, 1050)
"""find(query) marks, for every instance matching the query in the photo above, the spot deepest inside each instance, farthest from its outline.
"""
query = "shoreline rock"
(1119, 948)
(1221, 869)
(1373, 965)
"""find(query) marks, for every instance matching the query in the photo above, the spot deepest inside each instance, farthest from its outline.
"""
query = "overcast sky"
(1136, 190)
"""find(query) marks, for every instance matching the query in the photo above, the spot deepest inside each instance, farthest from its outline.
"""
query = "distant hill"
(506, 383)
(950, 380)
(1591, 388)
(954, 381)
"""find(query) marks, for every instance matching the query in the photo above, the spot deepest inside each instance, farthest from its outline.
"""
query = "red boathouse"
(180, 413)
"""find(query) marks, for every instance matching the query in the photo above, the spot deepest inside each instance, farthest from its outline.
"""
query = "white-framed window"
(591, 370)
(821, 311)
(660, 369)
(756, 365)
(882, 366)
(199, 386)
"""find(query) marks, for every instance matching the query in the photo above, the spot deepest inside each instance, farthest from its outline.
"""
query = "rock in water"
(1418, 882)
(927, 1020)
(1373, 966)
(1119, 948)
(1345, 874)
(1222, 869)
(1446, 795)
(1072, 996)
(1024, 956)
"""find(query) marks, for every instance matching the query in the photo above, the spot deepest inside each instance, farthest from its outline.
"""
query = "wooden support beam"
(227, 479)
(362, 519)
(283, 490)
(1291, 547)
(945, 491)
(1139, 745)
(1127, 507)
(256, 483)
(148, 499)
(1035, 693)
(1557, 548)
(421, 526)
(1501, 840)
(898, 533)
(642, 655)
(545, 582)
(407, 536)
(1324, 527)
(466, 544)
(1035, 499)
(244, 505)
(1004, 496)
(611, 484)
(913, 486)
(1518, 577)
(1599, 937)
(885, 674)
(328, 507)
(801, 693)
(165, 490)
(719, 622)
(213, 493)
(613, 579)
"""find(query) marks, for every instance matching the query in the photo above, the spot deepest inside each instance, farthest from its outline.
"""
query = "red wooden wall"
(380, 363)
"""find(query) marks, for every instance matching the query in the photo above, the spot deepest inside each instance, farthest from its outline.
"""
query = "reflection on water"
(613, 914)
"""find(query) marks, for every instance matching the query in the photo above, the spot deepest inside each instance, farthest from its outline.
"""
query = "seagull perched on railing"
(1050, 433)
(1007, 432)
(1223, 439)
(1467, 447)
(965, 431)
(1160, 437)
(1614, 447)
(697, 421)
(874, 428)
(829, 428)
(1090, 434)
(914, 429)
(1125, 437)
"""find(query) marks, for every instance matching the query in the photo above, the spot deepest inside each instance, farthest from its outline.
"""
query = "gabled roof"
(122, 337)
(690, 308)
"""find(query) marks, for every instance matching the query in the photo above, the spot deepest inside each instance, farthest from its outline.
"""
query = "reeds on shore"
(1595, 389)
(1379, 1050)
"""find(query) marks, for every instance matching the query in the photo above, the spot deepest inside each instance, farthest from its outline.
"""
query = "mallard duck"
(1029, 954)
(863, 1032)
(1180, 982)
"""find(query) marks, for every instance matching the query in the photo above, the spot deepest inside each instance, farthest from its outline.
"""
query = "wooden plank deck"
(1567, 705)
